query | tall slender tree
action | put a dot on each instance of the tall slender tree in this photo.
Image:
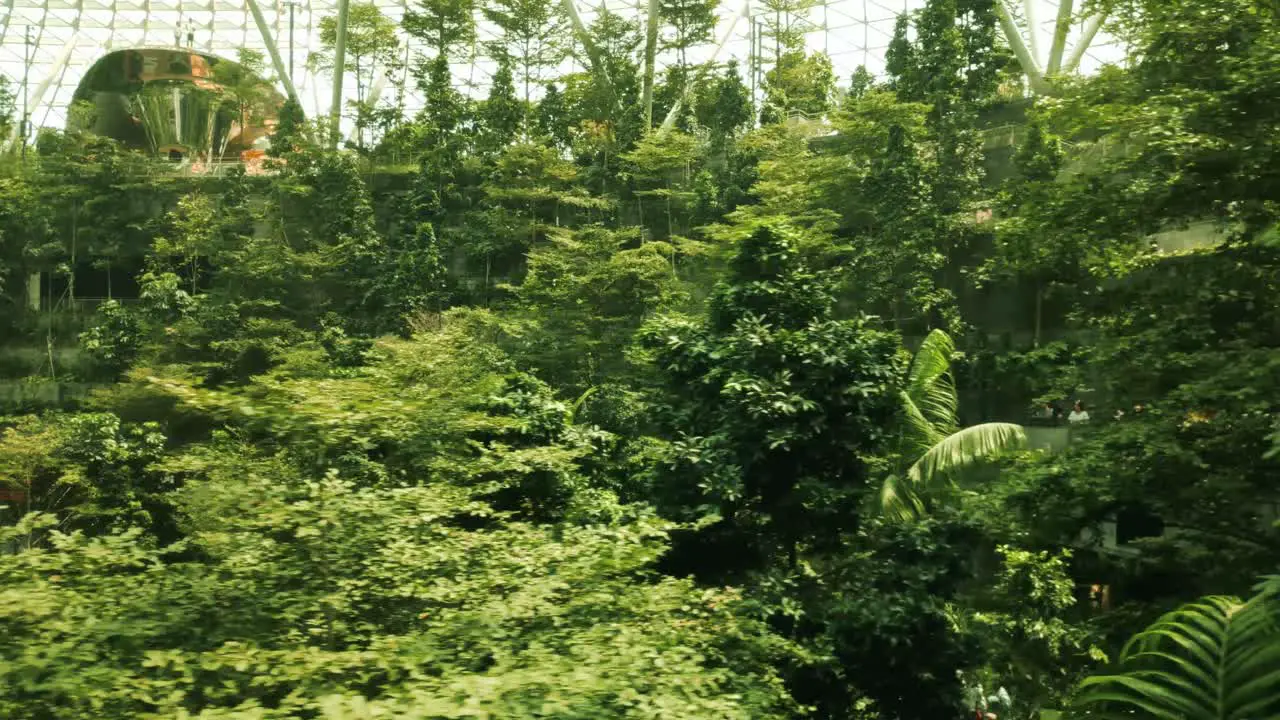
(689, 23)
(609, 102)
(860, 83)
(372, 47)
(723, 107)
(901, 65)
(553, 117)
(444, 143)
(7, 107)
(291, 130)
(442, 25)
(784, 23)
(799, 83)
(535, 35)
(501, 115)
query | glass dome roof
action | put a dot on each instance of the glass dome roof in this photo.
(53, 43)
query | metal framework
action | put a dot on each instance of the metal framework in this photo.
(1067, 29)
(68, 36)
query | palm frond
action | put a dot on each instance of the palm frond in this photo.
(1214, 659)
(930, 434)
(929, 381)
(918, 434)
(962, 449)
(898, 501)
(571, 414)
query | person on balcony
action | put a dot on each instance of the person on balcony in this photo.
(1078, 414)
(1046, 414)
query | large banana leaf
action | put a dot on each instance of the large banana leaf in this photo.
(1214, 659)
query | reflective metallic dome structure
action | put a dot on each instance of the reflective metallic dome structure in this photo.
(176, 103)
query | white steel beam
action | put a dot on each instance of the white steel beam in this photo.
(584, 36)
(1090, 31)
(4, 21)
(274, 51)
(1033, 30)
(375, 94)
(1060, 30)
(1035, 76)
(650, 56)
(339, 69)
(54, 74)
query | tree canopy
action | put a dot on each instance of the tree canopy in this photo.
(886, 397)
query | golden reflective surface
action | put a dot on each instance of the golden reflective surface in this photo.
(178, 103)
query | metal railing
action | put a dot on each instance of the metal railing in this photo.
(81, 305)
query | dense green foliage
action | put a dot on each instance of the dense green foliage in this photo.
(529, 406)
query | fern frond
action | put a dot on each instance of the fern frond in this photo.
(1215, 659)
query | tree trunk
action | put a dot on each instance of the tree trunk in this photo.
(359, 107)
(48, 343)
(777, 39)
(527, 62)
(71, 273)
(404, 80)
(670, 229)
(1035, 336)
(211, 124)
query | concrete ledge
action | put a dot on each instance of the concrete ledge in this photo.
(42, 394)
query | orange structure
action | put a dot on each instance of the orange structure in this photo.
(178, 103)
